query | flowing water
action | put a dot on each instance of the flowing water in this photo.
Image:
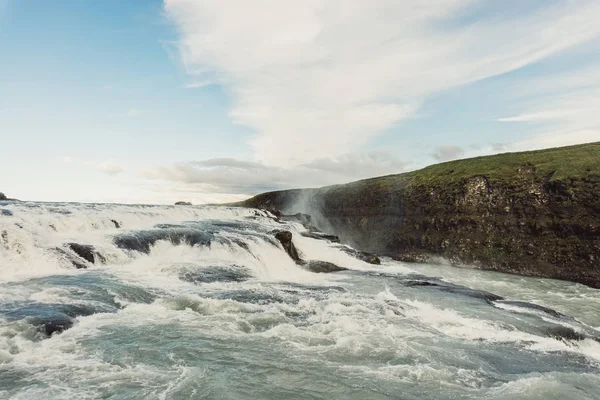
(203, 303)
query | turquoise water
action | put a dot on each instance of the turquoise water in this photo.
(213, 308)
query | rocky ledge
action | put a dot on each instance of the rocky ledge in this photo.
(4, 198)
(532, 213)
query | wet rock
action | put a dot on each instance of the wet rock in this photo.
(116, 223)
(362, 255)
(183, 203)
(369, 258)
(85, 251)
(285, 238)
(57, 324)
(323, 267)
(321, 236)
(565, 333)
(2, 196)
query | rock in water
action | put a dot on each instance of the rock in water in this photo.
(57, 324)
(85, 251)
(323, 267)
(285, 238)
(321, 236)
(2, 196)
(183, 203)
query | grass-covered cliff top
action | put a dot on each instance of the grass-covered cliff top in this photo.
(560, 163)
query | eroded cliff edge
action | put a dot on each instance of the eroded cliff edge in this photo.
(532, 213)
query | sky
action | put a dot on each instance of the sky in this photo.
(155, 101)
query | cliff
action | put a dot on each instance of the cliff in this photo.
(533, 213)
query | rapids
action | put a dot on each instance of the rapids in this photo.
(202, 303)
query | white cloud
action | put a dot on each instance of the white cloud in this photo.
(448, 152)
(109, 167)
(319, 78)
(228, 175)
(198, 84)
(134, 112)
(565, 105)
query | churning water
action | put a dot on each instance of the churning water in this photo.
(203, 303)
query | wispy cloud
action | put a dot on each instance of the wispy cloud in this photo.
(320, 78)
(448, 152)
(563, 105)
(109, 167)
(198, 84)
(134, 112)
(229, 175)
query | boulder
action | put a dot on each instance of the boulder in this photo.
(85, 251)
(57, 324)
(183, 203)
(369, 258)
(2, 196)
(285, 238)
(323, 267)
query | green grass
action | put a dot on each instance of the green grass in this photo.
(562, 163)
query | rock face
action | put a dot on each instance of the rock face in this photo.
(534, 213)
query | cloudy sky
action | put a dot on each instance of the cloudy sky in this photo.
(153, 101)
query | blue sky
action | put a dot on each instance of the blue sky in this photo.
(151, 101)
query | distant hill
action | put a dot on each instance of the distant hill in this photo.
(532, 213)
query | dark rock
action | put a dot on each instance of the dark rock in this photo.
(183, 203)
(57, 324)
(117, 224)
(565, 333)
(321, 236)
(6, 213)
(285, 238)
(322, 267)
(369, 258)
(4, 198)
(86, 252)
